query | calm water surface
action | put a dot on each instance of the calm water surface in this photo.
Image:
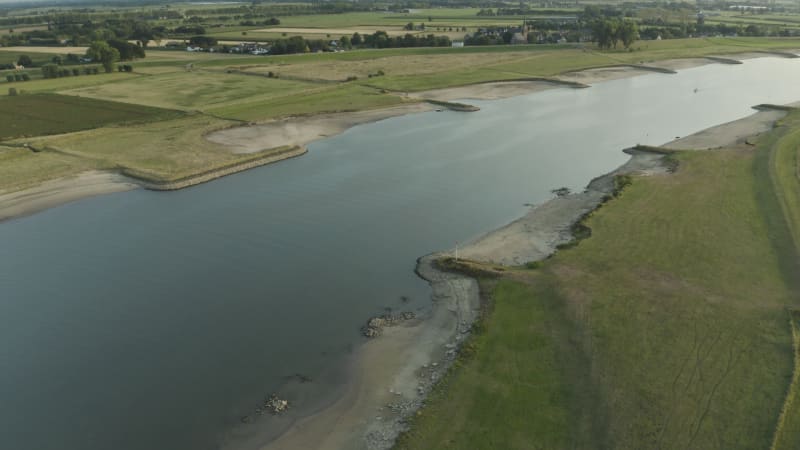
(146, 320)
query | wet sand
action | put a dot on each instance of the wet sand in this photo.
(60, 191)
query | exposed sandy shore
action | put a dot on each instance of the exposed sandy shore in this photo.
(60, 191)
(302, 131)
(728, 134)
(486, 91)
(536, 235)
(392, 373)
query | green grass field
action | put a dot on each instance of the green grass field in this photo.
(197, 90)
(667, 328)
(348, 97)
(167, 150)
(21, 168)
(36, 115)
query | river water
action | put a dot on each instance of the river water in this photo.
(147, 320)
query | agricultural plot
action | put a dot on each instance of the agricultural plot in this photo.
(37, 115)
(406, 65)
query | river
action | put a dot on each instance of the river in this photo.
(148, 320)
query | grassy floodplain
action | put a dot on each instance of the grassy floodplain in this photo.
(672, 326)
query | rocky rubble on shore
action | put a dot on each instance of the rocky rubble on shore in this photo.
(272, 405)
(376, 324)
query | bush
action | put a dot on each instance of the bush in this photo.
(561, 192)
(352, 78)
(50, 71)
(533, 265)
(12, 92)
(620, 183)
(76, 72)
(119, 69)
(17, 77)
(95, 71)
(10, 78)
(128, 68)
(26, 77)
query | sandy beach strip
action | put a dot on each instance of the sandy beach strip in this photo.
(60, 191)
(392, 374)
(301, 131)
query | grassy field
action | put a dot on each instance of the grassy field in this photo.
(21, 168)
(36, 115)
(197, 90)
(348, 97)
(314, 83)
(165, 150)
(667, 328)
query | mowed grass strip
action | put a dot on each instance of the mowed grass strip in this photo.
(676, 303)
(43, 114)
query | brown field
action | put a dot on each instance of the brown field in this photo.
(59, 50)
(331, 70)
(337, 32)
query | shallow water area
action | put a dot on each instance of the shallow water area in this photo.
(157, 320)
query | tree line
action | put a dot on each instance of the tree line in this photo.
(607, 32)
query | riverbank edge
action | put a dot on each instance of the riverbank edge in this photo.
(154, 183)
(457, 304)
(93, 183)
(32, 200)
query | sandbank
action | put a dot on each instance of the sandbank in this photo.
(392, 374)
(301, 131)
(60, 191)
(486, 91)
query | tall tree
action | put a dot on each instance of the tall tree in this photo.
(100, 51)
(25, 60)
(628, 32)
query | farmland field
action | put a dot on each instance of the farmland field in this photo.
(36, 115)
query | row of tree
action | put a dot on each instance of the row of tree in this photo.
(51, 70)
(607, 32)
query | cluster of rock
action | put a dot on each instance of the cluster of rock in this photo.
(272, 405)
(376, 324)
(275, 405)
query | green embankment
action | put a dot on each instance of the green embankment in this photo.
(667, 328)
(779, 158)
